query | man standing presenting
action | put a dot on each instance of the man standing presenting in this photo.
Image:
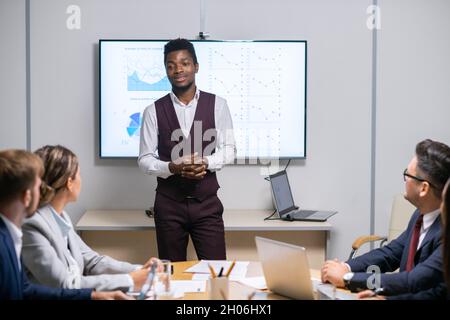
(185, 137)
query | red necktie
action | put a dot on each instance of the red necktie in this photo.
(414, 242)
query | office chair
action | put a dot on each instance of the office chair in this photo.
(401, 212)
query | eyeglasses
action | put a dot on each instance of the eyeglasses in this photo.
(406, 174)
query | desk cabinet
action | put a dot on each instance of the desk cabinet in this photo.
(130, 235)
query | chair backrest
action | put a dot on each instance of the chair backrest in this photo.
(401, 213)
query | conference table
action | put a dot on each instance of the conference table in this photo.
(237, 291)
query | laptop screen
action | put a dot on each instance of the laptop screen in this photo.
(281, 191)
(285, 268)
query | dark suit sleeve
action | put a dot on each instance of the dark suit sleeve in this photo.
(386, 258)
(437, 293)
(426, 274)
(423, 276)
(37, 292)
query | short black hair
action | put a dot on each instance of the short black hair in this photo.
(433, 160)
(179, 44)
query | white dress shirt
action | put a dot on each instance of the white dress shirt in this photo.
(16, 235)
(428, 220)
(225, 150)
(73, 269)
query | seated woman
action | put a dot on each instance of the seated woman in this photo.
(52, 252)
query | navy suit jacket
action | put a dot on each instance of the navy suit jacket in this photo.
(14, 284)
(427, 270)
(439, 292)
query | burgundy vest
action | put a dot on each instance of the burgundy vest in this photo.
(176, 187)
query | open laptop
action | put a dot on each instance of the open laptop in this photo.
(285, 268)
(287, 210)
(286, 271)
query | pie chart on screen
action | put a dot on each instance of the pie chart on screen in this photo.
(135, 124)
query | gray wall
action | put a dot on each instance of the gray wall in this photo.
(12, 74)
(413, 90)
(336, 174)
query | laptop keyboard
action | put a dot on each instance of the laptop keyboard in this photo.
(302, 213)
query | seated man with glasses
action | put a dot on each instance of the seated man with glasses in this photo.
(417, 252)
(406, 174)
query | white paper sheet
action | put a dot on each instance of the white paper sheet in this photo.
(255, 282)
(239, 270)
(188, 285)
(206, 276)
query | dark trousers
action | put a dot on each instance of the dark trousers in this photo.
(202, 220)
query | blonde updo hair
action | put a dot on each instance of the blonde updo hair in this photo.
(60, 164)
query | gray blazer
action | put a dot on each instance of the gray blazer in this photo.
(47, 260)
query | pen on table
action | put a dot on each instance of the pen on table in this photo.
(377, 292)
(213, 273)
(220, 272)
(231, 268)
(148, 283)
